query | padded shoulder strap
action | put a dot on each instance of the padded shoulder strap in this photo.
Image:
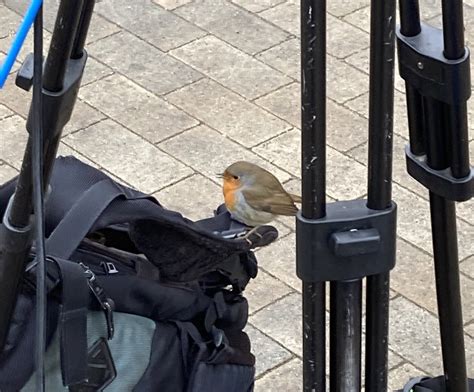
(73, 322)
(68, 234)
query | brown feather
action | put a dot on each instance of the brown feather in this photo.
(296, 198)
(278, 203)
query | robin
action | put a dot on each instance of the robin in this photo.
(254, 196)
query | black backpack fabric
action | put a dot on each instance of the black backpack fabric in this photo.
(159, 288)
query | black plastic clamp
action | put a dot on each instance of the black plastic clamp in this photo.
(58, 106)
(422, 64)
(352, 241)
(440, 182)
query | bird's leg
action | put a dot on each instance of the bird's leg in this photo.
(249, 233)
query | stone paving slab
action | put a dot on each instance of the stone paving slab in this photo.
(176, 90)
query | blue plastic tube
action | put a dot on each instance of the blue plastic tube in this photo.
(19, 40)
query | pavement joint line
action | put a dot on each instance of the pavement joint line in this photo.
(248, 99)
(146, 141)
(144, 40)
(279, 364)
(267, 94)
(274, 301)
(350, 13)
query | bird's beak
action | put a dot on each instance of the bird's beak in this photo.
(220, 175)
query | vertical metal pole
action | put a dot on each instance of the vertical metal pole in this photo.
(382, 47)
(313, 129)
(345, 336)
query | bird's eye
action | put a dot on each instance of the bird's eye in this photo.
(235, 177)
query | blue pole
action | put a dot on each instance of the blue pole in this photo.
(19, 40)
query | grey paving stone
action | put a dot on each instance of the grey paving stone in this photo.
(285, 57)
(233, 24)
(100, 28)
(264, 289)
(399, 170)
(128, 156)
(361, 60)
(414, 278)
(13, 137)
(360, 18)
(284, 151)
(469, 329)
(137, 109)
(344, 39)
(195, 197)
(50, 10)
(94, 71)
(9, 22)
(171, 4)
(268, 353)
(279, 259)
(227, 112)
(285, 16)
(139, 63)
(282, 322)
(356, 82)
(346, 129)
(414, 335)
(397, 378)
(5, 45)
(16, 65)
(6, 172)
(467, 266)
(232, 68)
(65, 150)
(416, 227)
(400, 122)
(342, 7)
(15, 98)
(287, 377)
(257, 6)
(4, 112)
(83, 116)
(285, 103)
(150, 22)
(209, 153)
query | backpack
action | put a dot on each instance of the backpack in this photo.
(139, 297)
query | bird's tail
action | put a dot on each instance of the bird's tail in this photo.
(296, 198)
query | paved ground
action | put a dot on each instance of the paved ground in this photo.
(177, 89)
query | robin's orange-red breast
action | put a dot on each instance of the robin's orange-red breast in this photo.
(254, 196)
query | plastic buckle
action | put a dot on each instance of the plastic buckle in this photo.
(106, 304)
(352, 241)
(109, 267)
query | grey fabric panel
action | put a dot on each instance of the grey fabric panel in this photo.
(130, 349)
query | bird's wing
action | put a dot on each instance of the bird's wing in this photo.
(296, 198)
(279, 203)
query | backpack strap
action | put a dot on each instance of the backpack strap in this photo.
(76, 224)
(73, 322)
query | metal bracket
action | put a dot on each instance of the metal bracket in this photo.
(422, 64)
(440, 182)
(58, 105)
(350, 242)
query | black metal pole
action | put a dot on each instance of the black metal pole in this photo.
(313, 129)
(15, 232)
(383, 13)
(345, 336)
(440, 131)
